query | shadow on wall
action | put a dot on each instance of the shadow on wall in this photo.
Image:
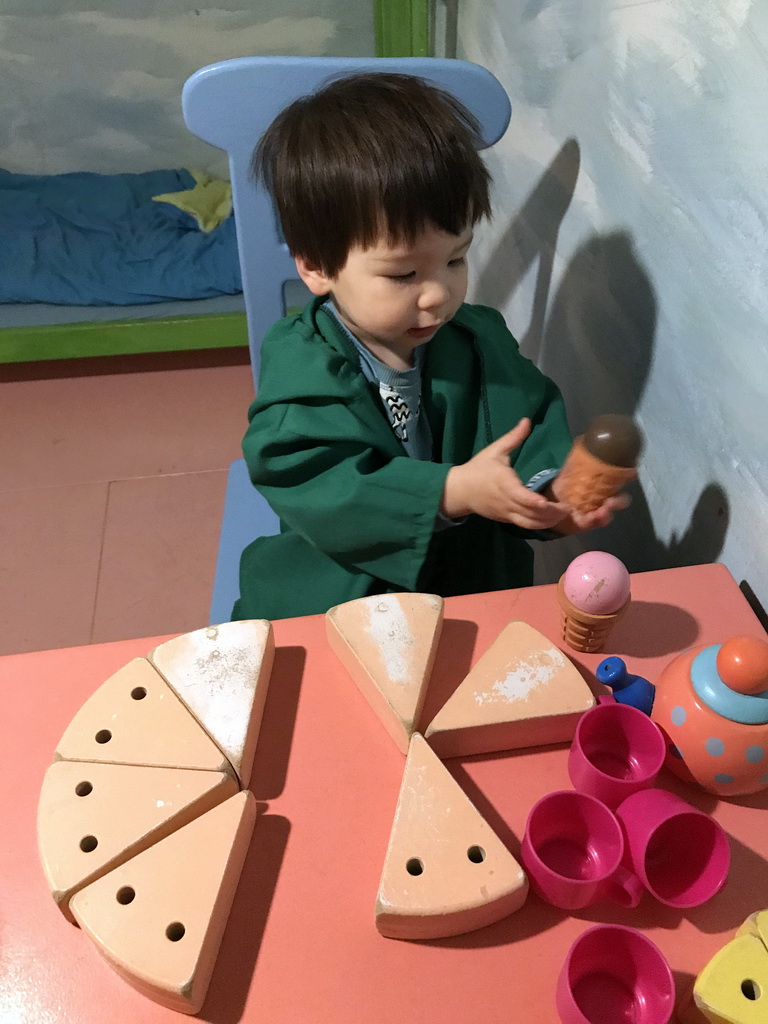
(595, 339)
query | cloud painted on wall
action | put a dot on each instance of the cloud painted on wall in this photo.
(92, 90)
(212, 35)
(167, 8)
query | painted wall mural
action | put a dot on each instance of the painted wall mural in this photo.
(629, 250)
(99, 89)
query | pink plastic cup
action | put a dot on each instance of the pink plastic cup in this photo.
(680, 853)
(572, 851)
(616, 751)
(615, 975)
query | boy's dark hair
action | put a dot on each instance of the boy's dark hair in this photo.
(371, 156)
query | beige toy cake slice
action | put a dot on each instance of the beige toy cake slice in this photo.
(446, 871)
(92, 817)
(388, 643)
(523, 692)
(159, 918)
(221, 673)
(136, 718)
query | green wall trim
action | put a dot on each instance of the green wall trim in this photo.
(402, 28)
(122, 337)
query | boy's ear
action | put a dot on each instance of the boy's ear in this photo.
(317, 282)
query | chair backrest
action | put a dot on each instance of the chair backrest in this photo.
(231, 104)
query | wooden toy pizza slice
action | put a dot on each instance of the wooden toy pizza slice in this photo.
(732, 987)
(756, 924)
(159, 918)
(523, 692)
(92, 817)
(136, 718)
(221, 673)
(446, 871)
(388, 644)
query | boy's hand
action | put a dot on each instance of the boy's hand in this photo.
(488, 486)
(580, 522)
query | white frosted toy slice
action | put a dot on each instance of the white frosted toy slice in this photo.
(523, 692)
(388, 643)
(446, 871)
(159, 918)
(221, 673)
(136, 718)
(92, 817)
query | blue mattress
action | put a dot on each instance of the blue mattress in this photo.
(40, 314)
(99, 240)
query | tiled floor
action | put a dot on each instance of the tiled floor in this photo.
(112, 481)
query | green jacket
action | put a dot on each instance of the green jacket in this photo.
(357, 514)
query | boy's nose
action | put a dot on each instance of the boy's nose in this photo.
(433, 296)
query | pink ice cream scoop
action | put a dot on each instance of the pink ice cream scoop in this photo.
(596, 582)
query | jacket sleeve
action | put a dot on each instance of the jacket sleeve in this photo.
(517, 388)
(549, 442)
(320, 468)
(546, 447)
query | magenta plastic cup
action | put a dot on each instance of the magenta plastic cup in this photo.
(680, 853)
(615, 975)
(572, 851)
(616, 751)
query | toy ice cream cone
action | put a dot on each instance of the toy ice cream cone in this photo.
(601, 462)
(585, 631)
(594, 593)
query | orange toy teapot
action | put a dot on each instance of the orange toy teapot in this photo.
(712, 704)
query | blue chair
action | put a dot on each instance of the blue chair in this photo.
(230, 104)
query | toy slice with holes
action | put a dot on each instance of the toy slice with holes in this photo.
(733, 987)
(756, 924)
(221, 674)
(92, 817)
(446, 871)
(159, 918)
(136, 718)
(388, 643)
(523, 692)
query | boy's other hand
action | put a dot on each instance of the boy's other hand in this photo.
(488, 486)
(581, 522)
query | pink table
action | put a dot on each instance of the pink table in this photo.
(301, 946)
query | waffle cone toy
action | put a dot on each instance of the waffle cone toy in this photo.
(601, 462)
(585, 631)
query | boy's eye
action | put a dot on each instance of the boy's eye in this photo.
(459, 262)
(402, 277)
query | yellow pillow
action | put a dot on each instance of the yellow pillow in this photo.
(209, 202)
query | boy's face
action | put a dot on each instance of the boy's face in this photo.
(393, 298)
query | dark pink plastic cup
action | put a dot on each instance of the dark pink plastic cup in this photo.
(615, 975)
(681, 854)
(616, 751)
(572, 851)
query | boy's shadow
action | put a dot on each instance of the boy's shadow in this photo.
(595, 340)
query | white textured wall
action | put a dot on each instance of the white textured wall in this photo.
(97, 86)
(628, 250)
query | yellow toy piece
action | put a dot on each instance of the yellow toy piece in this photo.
(757, 925)
(733, 987)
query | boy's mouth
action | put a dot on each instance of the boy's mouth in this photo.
(422, 332)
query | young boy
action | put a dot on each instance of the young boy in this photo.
(399, 434)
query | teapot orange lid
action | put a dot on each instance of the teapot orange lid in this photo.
(742, 663)
(732, 679)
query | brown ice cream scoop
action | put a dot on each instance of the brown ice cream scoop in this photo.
(600, 463)
(614, 439)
